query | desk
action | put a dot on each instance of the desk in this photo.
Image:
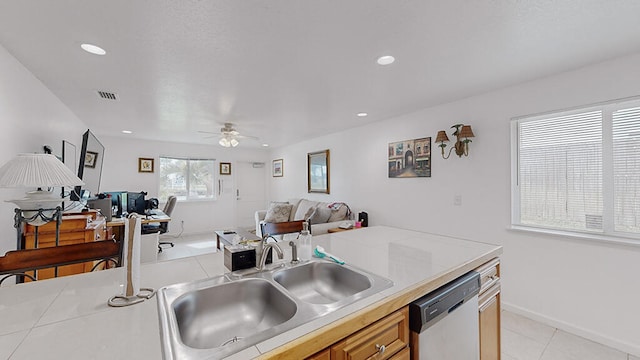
(117, 224)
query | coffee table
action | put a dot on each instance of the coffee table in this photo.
(226, 236)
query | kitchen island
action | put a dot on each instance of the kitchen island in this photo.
(68, 318)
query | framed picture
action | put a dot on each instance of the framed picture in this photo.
(277, 168)
(90, 159)
(225, 168)
(318, 172)
(410, 158)
(145, 165)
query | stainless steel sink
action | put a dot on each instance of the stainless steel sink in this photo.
(214, 318)
(322, 282)
(218, 315)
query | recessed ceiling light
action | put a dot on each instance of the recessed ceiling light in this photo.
(265, 145)
(361, 114)
(386, 60)
(93, 49)
(127, 132)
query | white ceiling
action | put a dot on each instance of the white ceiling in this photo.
(286, 70)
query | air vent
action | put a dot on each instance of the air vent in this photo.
(593, 222)
(107, 95)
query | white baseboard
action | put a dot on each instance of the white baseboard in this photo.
(626, 347)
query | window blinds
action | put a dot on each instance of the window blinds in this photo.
(626, 169)
(560, 171)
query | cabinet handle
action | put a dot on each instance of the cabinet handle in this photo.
(380, 348)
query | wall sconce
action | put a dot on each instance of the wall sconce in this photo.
(462, 134)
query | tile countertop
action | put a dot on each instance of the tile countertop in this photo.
(68, 317)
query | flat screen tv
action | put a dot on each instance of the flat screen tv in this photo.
(89, 165)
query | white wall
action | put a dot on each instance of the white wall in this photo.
(120, 172)
(587, 287)
(30, 116)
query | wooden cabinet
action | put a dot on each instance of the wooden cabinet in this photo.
(388, 338)
(322, 355)
(74, 229)
(489, 310)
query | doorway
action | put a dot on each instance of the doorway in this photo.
(250, 192)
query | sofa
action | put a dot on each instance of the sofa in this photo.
(321, 215)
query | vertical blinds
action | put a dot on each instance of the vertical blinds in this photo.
(560, 171)
(626, 169)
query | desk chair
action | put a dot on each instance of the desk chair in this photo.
(21, 262)
(162, 227)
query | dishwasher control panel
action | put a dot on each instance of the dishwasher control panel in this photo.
(428, 309)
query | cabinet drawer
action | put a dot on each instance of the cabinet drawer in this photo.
(380, 340)
(489, 274)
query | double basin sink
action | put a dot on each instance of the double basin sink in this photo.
(216, 317)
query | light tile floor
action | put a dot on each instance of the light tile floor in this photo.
(526, 339)
(522, 338)
(186, 246)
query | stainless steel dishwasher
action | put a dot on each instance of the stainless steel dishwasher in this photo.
(444, 323)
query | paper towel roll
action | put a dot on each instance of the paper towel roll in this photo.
(131, 255)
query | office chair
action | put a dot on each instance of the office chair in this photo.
(162, 227)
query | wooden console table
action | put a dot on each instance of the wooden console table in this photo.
(76, 228)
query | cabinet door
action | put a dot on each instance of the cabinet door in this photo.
(321, 355)
(380, 340)
(404, 354)
(490, 324)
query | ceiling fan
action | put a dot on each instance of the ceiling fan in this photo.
(228, 135)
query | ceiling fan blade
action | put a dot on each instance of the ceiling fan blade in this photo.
(209, 132)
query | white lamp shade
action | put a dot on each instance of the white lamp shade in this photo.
(37, 170)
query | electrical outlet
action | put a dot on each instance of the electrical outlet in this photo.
(457, 200)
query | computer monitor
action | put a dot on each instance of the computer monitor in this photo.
(136, 203)
(119, 201)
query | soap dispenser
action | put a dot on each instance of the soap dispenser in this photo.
(304, 243)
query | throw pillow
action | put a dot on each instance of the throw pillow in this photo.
(278, 212)
(309, 213)
(303, 207)
(339, 214)
(320, 215)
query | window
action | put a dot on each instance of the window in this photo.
(187, 179)
(579, 170)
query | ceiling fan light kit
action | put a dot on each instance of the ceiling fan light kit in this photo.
(229, 137)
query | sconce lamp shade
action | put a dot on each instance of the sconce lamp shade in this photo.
(442, 136)
(36, 170)
(465, 132)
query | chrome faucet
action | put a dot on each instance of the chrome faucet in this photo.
(265, 251)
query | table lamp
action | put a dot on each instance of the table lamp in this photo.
(41, 171)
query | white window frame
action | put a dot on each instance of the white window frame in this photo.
(190, 199)
(608, 234)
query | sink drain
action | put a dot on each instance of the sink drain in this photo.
(232, 340)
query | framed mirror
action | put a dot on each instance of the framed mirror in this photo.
(318, 172)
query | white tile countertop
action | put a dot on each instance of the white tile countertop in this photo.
(68, 317)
